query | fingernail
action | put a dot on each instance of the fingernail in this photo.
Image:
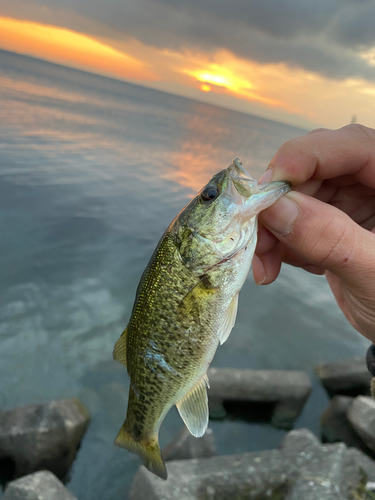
(267, 176)
(259, 272)
(282, 215)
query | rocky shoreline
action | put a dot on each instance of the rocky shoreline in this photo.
(38, 443)
(301, 468)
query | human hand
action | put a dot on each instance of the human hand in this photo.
(326, 225)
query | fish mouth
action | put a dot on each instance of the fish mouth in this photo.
(275, 187)
(245, 191)
(242, 181)
(267, 193)
(237, 172)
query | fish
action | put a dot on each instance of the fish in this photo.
(186, 305)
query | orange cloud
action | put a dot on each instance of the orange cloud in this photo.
(66, 46)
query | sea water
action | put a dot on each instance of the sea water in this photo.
(92, 171)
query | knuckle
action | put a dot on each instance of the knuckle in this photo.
(292, 154)
(320, 129)
(363, 132)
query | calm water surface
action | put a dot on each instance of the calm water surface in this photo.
(92, 170)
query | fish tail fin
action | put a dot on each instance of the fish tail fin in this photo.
(147, 449)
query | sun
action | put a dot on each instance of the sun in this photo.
(205, 87)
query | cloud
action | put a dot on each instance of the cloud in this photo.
(323, 36)
(354, 26)
(66, 46)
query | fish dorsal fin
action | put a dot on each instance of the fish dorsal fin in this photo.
(229, 320)
(193, 408)
(119, 352)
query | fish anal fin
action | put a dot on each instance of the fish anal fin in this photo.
(229, 320)
(119, 352)
(148, 450)
(193, 408)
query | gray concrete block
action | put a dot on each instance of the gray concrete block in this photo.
(284, 392)
(349, 377)
(44, 436)
(336, 426)
(42, 485)
(301, 468)
(361, 415)
(299, 440)
(184, 446)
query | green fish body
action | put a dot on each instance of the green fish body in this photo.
(186, 305)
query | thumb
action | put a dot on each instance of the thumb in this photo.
(325, 236)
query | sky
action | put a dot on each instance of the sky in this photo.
(303, 62)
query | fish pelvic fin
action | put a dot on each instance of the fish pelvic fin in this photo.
(119, 352)
(148, 450)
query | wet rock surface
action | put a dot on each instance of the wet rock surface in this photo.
(42, 485)
(275, 396)
(301, 468)
(349, 377)
(336, 426)
(361, 415)
(185, 446)
(38, 437)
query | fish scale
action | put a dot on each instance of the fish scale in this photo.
(149, 316)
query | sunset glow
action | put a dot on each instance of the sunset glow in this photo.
(228, 76)
(220, 80)
(222, 77)
(66, 46)
(273, 90)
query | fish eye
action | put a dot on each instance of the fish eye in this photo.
(209, 193)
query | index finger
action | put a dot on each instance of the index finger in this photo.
(327, 154)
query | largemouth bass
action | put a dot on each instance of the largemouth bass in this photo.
(186, 305)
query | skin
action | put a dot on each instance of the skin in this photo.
(327, 224)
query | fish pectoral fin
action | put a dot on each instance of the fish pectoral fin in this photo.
(229, 320)
(193, 408)
(119, 352)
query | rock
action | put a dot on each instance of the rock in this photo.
(41, 485)
(361, 415)
(299, 440)
(349, 377)
(301, 468)
(184, 446)
(277, 396)
(336, 426)
(43, 436)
